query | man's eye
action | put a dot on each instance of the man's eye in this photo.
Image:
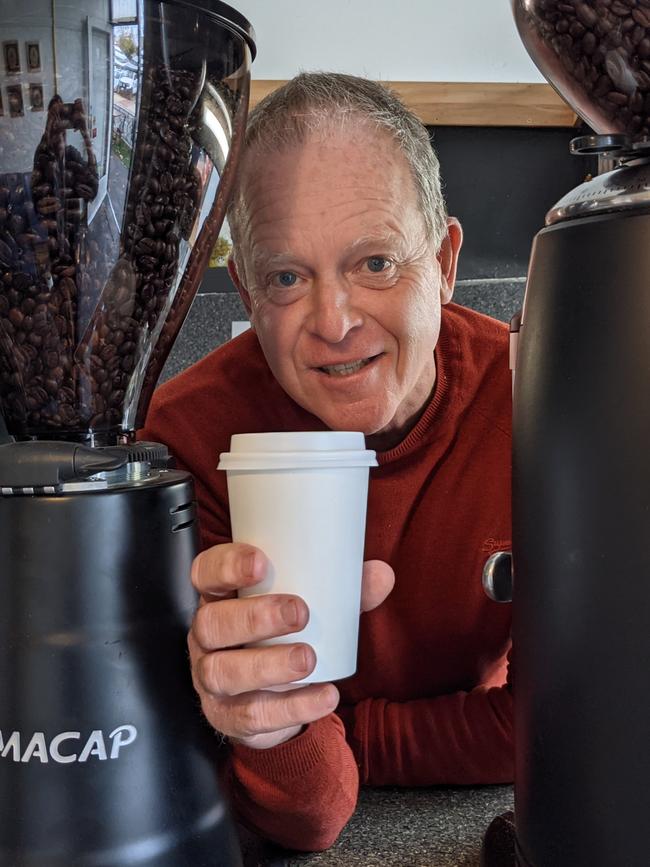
(285, 279)
(377, 264)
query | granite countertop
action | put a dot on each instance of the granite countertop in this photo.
(434, 827)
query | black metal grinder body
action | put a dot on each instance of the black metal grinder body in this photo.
(111, 202)
(104, 756)
(581, 531)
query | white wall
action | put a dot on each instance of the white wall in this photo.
(411, 40)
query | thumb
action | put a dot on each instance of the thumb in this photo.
(377, 581)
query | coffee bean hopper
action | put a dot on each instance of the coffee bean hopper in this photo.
(581, 470)
(120, 126)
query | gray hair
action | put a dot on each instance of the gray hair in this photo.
(287, 116)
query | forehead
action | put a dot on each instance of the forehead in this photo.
(348, 170)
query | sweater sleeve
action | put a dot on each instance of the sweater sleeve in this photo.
(464, 738)
(301, 793)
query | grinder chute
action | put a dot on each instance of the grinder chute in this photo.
(119, 137)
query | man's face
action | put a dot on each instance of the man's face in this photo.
(343, 286)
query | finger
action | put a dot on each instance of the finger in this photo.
(194, 648)
(230, 622)
(255, 713)
(377, 582)
(195, 655)
(221, 569)
(232, 672)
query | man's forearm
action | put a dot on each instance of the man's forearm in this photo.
(460, 739)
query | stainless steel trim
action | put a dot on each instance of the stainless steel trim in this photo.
(624, 189)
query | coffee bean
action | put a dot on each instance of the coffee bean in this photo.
(16, 317)
(586, 15)
(589, 43)
(69, 416)
(52, 359)
(49, 205)
(619, 8)
(617, 98)
(146, 247)
(107, 351)
(641, 17)
(85, 191)
(147, 263)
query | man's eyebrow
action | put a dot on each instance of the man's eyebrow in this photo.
(379, 241)
(264, 259)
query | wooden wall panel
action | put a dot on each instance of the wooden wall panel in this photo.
(472, 104)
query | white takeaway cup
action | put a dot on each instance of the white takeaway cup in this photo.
(301, 498)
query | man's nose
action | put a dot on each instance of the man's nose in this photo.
(334, 311)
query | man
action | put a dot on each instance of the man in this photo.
(344, 257)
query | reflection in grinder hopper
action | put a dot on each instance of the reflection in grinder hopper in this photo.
(70, 323)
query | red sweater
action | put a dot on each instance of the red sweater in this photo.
(429, 703)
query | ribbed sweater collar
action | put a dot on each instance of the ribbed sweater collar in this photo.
(431, 424)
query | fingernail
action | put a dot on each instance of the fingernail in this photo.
(255, 565)
(298, 659)
(289, 611)
(328, 696)
(194, 572)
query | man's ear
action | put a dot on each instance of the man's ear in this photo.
(243, 292)
(448, 258)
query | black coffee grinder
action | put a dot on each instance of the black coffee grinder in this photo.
(118, 141)
(581, 472)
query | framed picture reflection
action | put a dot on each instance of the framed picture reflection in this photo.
(33, 54)
(11, 56)
(36, 97)
(15, 100)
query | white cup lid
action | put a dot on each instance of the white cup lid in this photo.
(297, 449)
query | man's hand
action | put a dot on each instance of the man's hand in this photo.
(234, 682)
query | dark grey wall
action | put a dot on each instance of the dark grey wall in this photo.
(499, 182)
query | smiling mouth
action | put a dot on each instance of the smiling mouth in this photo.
(348, 368)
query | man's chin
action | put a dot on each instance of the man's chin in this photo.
(369, 417)
(368, 425)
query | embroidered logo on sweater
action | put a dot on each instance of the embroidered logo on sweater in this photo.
(491, 546)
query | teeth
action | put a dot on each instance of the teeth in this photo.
(345, 369)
